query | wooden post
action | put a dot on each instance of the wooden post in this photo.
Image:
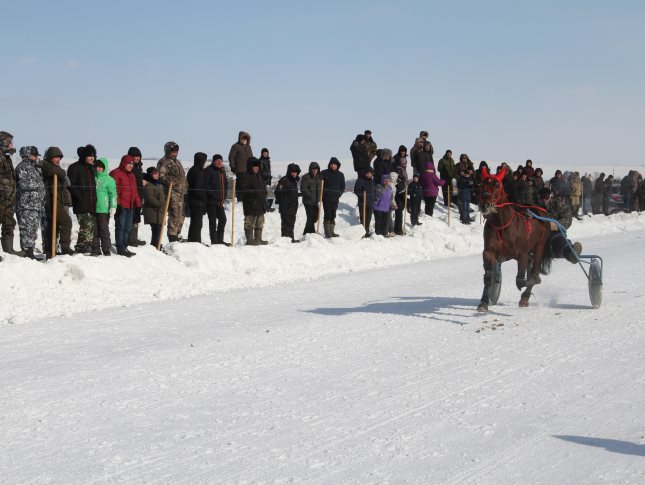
(165, 215)
(405, 207)
(322, 187)
(233, 214)
(365, 211)
(449, 204)
(54, 214)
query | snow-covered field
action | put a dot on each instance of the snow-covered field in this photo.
(337, 374)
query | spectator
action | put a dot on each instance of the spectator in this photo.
(196, 197)
(641, 193)
(538, 181)
(477, 180)
(172, 172)
(587, 193)
(606, 195)
(216, 187)
(364, 190)
(529, 169)
(334, 188)
(399, 168)
(252, 191)
(265, 172)
(627, 188)
(383, 164)
(310, 189)
(286, 194)
(127, 201)
(106, 204)
(82, 178)
(448, 173)
(465, 172)
(598, 195)
(133, 238)
(415, 192)
(417, 148)
(430, 184)
(30, 196)
(370, 145)
(360, 157)
(241, 152)
(559, 186)
(154, 201)
(50, 167)
(382, 206)
(576, 194)
(7, 192)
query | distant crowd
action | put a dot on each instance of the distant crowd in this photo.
(388, 186)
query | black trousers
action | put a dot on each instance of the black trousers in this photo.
(368, 218)
(196, 223)
(156, 234)
(415, 210)
(430, 202)
(312, 218)
(216, 223)
(288, 222)
(380, 222)
(330, 209)
(101, 233)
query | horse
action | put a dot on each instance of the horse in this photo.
(510, 233)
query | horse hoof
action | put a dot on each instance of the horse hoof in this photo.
(520, 283)
(483, 307)
(524, 302)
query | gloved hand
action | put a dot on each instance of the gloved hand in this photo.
(554, 227)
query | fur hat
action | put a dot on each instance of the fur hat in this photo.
(169, 147)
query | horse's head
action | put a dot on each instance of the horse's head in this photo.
(492, 191)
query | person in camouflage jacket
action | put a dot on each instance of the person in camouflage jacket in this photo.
(51, 166)
(7, 191)
(370, 145)
(171, 171)
(558, 246)
(30, 198)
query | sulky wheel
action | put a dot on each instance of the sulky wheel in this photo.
(595, 283)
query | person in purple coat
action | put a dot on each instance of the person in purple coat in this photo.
(382, 205)
(430, 183)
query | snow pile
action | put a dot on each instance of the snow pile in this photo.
(72, 284)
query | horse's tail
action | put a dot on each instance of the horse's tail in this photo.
(547, 259)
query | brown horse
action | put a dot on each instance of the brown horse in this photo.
(509, 233)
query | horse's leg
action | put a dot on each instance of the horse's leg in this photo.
(526, 294)
(522, 264)
(489, 259)
(534, 277)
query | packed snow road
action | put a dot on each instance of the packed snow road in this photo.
(382, 376)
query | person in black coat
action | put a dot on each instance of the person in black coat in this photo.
(598, 191)
(196, 197)
(82, 187)
(216, 188)
(360, 156)
(286, 196)
(382, 163)
(364, 190)
(333, 189)
(415, 192)
(252, 191)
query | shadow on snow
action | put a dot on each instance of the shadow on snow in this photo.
(615, 446)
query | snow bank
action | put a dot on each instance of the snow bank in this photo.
(71, 284)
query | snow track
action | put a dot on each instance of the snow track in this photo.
(383, 376)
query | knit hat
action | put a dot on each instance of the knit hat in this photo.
(360, 138)
(134, 152)
(53, 152)
(254, 162)
(368, 132)
(217, 156)
(151, 170)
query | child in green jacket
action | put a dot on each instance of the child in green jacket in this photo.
(106, 201)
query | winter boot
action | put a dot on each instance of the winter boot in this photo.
(133, 237)
(332, 225)
(327, 226)
(7, 247)
(67, 250)
(572, 255)
(29, 253)
(258, 238)
(250, 240)
(172, 238)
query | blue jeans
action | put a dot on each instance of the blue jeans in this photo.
(464, 210)
(123, 224)
(627, 201)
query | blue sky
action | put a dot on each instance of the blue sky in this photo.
(557, 82)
